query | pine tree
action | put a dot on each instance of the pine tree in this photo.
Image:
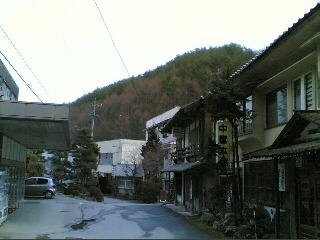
(153, 155)
(35, 164)
(61, 166)
(223, 103)
(85, 152)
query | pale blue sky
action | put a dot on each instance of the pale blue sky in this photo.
(68, 48)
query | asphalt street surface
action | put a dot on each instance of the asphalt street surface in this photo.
(68, 218)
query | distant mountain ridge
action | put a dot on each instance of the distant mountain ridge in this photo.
(127, 104)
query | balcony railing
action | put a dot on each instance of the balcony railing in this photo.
(192, 151)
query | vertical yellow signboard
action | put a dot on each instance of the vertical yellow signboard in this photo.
(223, 137)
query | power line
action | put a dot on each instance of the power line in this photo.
(20, 76)
(114, 44)
(112, 38)
(25, 61)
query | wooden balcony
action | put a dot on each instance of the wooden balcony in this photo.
(191, 152)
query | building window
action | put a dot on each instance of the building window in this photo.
(308, 84)
(245, 122)
(194, 136)
(258, 181)
(277, 107)
(297, 94)
(106, 159)
(125, 183)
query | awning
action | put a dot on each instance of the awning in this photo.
(290, 142)
(285, 152)
(36, 125)
(182, 167)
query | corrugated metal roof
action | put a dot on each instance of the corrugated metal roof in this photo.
(36, 126)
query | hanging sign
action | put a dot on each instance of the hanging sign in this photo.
(223, 137)
(282, 177)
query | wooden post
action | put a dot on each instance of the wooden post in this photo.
(239, 181)
(296, 201)
(235, 194)
(183, 193)
(277, 196)
(192, 194)
(175, 189)
(169, 189)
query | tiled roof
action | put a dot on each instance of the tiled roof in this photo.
(182, 167)
(276, 41)
(285, 144)
(292, 150)
(311, 116)
(189, 111)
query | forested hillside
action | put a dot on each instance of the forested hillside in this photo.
(127, 105)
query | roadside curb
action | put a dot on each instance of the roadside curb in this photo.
(178, 211)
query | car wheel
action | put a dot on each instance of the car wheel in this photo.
(48, 194)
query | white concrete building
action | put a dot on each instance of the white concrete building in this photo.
(113, 152)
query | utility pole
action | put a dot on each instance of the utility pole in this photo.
(93, 114)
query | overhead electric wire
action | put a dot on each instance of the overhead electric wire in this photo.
(114, 44)
(20, 76)
(24, 61)
(104, 22)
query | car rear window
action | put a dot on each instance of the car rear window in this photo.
(42, 181)
(31, 181)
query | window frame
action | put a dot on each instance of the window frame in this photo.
(274, 94)
(297, 100)
(308, 77)
(125, 183)
(106, 159)
(258, 183)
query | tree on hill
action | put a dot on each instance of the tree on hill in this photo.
(128, 104)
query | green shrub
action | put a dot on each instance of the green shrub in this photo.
(147, 191)
(60, 186)
(217, 197)
(96, 193)
(35, 169)
(92, 182)
(114, 189)
(75, 189)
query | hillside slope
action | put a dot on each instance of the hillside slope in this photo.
(126, 105)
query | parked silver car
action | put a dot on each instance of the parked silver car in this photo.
(40, 186)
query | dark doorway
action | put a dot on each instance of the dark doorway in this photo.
(105, 184)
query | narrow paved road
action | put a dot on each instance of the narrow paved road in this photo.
(64, 217)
